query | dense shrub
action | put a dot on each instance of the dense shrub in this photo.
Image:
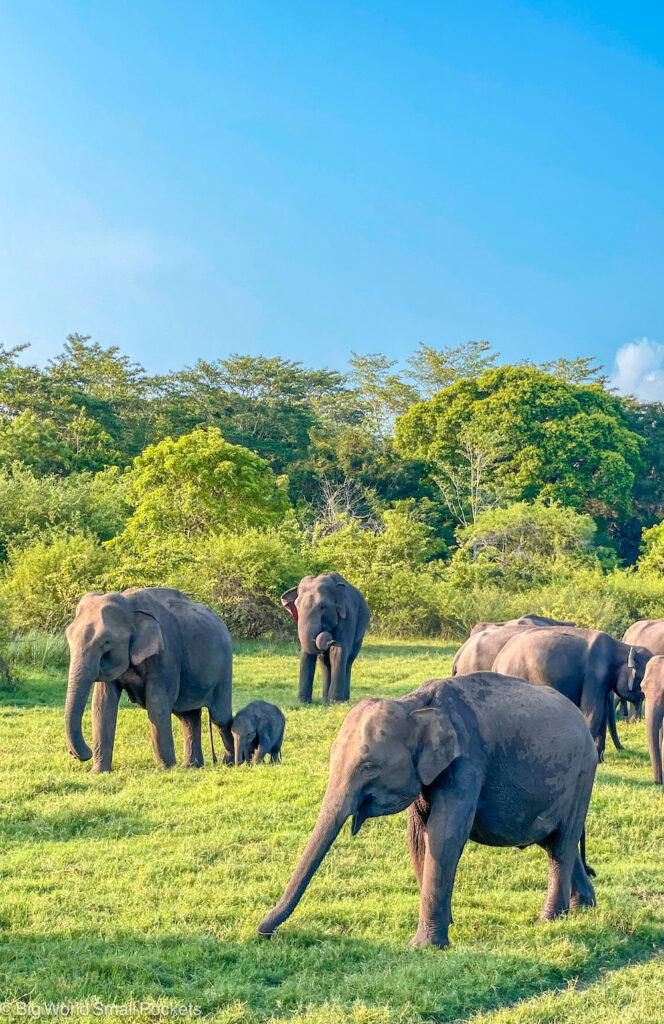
(44, 581)
(652, 559)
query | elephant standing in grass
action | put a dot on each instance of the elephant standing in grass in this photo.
(476, 757)
(332, 618)
(170, 655)
(585, 665)
(258, 730)
(653, 688)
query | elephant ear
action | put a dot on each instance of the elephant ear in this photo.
(342, 600)
(436, 745)
(288, 601)
(146, 638)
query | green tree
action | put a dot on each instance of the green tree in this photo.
(536, 436)
(200, 483)
(434, 369)
(526, 543)
(379, 395)
(652, 557)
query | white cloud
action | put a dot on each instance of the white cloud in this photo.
(639, 370)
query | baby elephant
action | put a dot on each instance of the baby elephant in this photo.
(258, 730)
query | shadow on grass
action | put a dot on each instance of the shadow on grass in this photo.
(301, 969)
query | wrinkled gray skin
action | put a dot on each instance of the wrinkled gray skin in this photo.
(487, 640)
(258, 730)
(169, 654)
(653, 689)
(332, 618)
(648, 633)
(585, 665)
(531, 619)
(469, 761)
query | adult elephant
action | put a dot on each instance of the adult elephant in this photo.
(332, 618)
(169, 654)
(530, 619)
(647, 633)
(585, 665)
(487, 640)
(474, 757)
(653, 688)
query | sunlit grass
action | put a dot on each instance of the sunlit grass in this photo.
(150, 885)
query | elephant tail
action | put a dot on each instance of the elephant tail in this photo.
(582, 849)
(214, 756)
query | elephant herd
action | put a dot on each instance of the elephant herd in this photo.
(484, 755)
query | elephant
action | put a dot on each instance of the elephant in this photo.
(484, 644)
(169, 654)
(332, 618)
(258, 730)
(648, 633)
(585, 665)
(476, 757)
(653, 688)
(530, 619)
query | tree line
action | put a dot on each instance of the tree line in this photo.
(451, 469)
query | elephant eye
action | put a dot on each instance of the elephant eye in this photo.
(368, 766)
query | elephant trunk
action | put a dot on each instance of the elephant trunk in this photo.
(239, 749)
(323, 641)
(654, 717)
(82, 675)
(331, 817)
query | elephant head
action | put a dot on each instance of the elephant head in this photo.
(107, 636)
(653, 688)
(631, 673)
(245, 731)
(317, 604)
(379, 762)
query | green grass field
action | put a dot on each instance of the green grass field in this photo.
(149, 885)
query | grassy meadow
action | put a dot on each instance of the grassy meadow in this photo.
(148, 885)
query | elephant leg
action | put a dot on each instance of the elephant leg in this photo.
(307, 670)
(349, 665)
(338, 660)
(191, 727)
(221, 716)
(562, 860)
(583, 894)
(417, 816)
(261, 751)
(158, 708)
(105, 700)
(325, 675)
(450, 820)
(275, 753)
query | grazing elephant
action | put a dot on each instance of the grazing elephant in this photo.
(487, 640)
(474, 757)
(332, 618)
(170, 655)
(258, 730)
(653, 688)
(531, 619)
(585, 665)
(648, 633)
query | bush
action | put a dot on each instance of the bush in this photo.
(44, 581)
(652, 558)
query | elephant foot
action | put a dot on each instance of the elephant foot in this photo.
(423, 939)
(100, 769)
(577, 900)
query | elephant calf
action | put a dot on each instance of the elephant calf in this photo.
(653, 688)
(258, 730)
(480, 757)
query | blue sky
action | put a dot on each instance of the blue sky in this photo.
(305, 179)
